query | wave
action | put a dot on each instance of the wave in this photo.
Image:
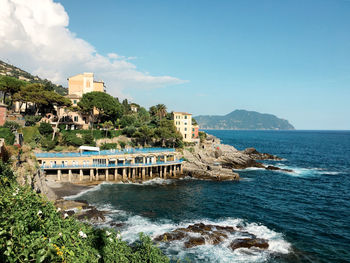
(207, 253)
(305, 172)
(91, 189)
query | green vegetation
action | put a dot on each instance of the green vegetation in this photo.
(202, 136)
(242, 119)
(12, 125)
(108, 146)
(7, 134)
(17, 72)
(31, 229)
(107, 117)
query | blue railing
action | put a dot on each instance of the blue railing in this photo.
(78, 166)
(104, 152)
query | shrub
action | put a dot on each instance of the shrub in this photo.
(72, 140)
(12, 125)
(33, 231)
(108, 146)
(122, 144)
(31, 134)
(88, 139)
(7, 135)
(47, 144)
(202, 136)
(45, 129)
(129, 131)
(31, 120)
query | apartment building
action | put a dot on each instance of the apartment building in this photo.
(183, 123)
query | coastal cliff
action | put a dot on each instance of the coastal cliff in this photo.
(216, 161)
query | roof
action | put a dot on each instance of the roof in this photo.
(183, 113)
(89, 148)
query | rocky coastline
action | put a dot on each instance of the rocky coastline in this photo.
(216, 161)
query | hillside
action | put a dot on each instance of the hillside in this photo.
(243, 120)
(10, 70)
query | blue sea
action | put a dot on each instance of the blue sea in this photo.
(305, 215)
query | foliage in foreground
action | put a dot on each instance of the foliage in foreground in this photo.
(31, 229)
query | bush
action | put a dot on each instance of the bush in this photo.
(12, 125)
(7, 135)
(108, 146)
(88, 139)
(202, 136)
(122, 144)
(129, 131)
(47, 144)
(33, 231)
(31, 120)
(45, 129)
(31, 134)
(72, 140)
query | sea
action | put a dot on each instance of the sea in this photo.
(304, 215)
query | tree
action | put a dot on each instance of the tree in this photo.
(107, 125)
(10, 86)
(144, 135)
(42, 99)
(99, 106)
(161, 110)
(143, 115)
(12, 125)
(45, 128)
(167, 134)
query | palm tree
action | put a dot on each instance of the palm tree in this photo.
(161, 110)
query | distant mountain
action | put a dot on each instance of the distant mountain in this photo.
(243, 120)
(12, 71)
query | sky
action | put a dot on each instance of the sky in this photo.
(289, 58)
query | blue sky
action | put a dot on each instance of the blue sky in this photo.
(290, 58)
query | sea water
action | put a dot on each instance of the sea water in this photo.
(304, 215)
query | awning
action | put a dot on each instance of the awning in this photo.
(89, 148)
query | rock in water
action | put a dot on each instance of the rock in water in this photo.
(249, 242)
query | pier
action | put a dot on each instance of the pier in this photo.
(111, 165)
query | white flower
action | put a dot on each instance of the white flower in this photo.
(108, 233)
(110, 239)
(39, 212)
(82, 234)
(60, 234)
(58, 209)
(65, 215)
(119, 236)
(14, 194)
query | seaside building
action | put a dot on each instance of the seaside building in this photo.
(118, 165)
(195, 131)
(3, 113)
(183, 124)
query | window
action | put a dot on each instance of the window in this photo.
(185, 129)
(185, 136)
(185, 116)
(193, 129)
(75, 101)
(76, 118)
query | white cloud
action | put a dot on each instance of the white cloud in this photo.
(34, 35)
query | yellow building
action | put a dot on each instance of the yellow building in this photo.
(183, 124)
(84, 83)
(77, 86)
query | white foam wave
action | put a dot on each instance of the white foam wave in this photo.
(207, 252)
(305, 172)
(91, 189)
